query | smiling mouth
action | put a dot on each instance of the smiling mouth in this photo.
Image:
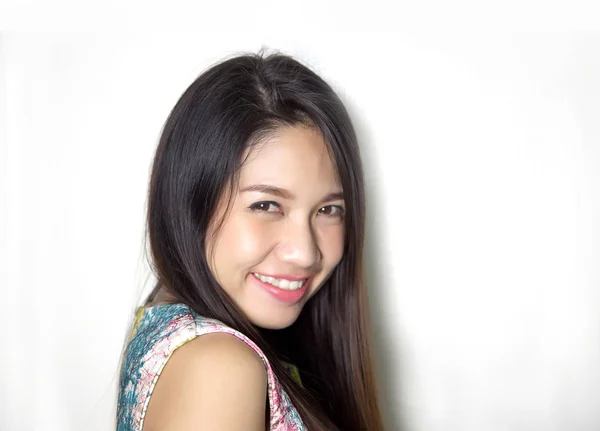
(281, 283)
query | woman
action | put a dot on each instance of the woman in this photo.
(256, 223)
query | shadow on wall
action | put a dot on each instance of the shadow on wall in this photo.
(388, 366)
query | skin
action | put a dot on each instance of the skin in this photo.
(213, 382)
(297, 235)
(217, 382)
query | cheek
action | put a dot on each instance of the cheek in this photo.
(244, 241)
(332, 243)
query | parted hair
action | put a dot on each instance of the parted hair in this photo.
(228, 108)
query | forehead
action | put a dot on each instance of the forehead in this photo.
(294, 157)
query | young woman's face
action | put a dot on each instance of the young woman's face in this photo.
(284, 234)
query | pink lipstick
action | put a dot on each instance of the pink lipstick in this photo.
(287, 296)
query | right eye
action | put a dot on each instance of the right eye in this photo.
(267, 206)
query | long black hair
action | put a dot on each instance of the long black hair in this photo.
(228, 108)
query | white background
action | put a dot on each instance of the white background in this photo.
(482, 159)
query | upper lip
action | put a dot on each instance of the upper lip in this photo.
(285, 277)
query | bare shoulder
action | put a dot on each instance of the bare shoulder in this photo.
(213, 382)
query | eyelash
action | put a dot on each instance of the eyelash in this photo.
(255, 207)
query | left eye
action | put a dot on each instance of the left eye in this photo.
(332, 210)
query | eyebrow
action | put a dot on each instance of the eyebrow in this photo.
(286, 194)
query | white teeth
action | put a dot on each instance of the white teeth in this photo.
(281, 283)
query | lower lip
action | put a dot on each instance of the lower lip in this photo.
(287, 296)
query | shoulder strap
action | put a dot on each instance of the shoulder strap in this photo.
(158, 332)
(283, 415)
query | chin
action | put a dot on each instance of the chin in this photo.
(269, 322)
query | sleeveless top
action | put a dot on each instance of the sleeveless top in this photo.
(157, 332)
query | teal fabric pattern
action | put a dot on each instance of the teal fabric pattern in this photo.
(157, 332)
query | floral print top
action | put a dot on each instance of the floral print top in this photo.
(157, 332)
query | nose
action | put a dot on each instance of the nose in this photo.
(298, 245)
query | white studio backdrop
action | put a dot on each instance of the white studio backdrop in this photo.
(482, 160)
